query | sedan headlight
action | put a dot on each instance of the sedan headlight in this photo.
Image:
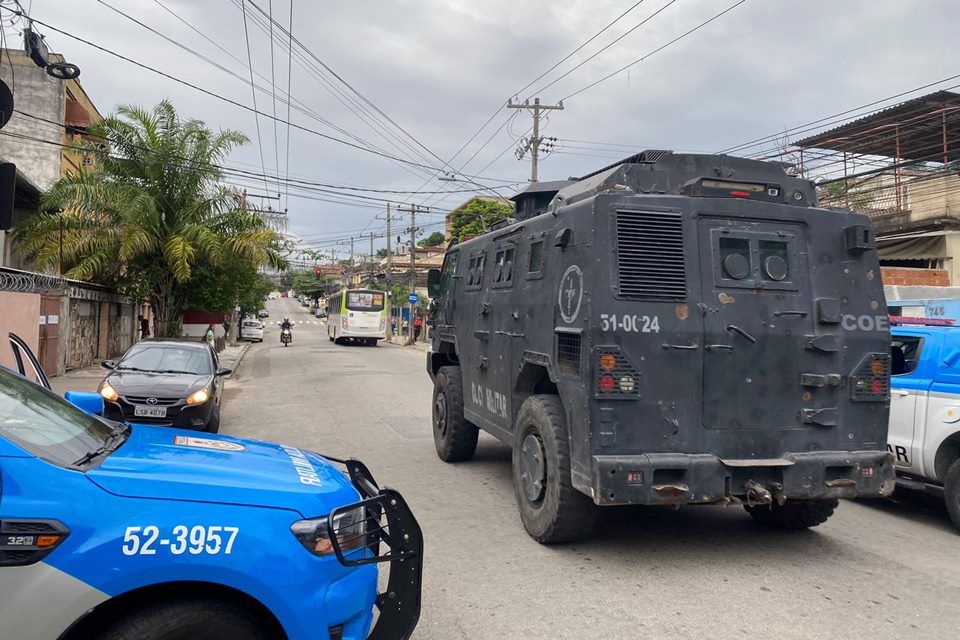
(108, 392)
(349, 527)
(199, 397)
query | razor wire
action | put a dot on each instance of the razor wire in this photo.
(25, 282)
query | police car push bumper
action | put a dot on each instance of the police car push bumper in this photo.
(670, 478)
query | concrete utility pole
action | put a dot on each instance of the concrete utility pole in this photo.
(389, 279)
(533, 143)
(413, 265)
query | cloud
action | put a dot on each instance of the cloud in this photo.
(440, 68)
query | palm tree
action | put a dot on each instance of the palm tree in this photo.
(149, 211)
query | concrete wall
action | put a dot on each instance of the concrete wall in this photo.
(38, 94)
(21, 315)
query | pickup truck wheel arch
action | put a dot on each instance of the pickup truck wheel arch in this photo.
(100, 618)
(947, 453)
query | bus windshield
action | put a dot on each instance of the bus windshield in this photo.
(365, 300)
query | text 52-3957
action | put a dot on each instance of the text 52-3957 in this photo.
(195, 540)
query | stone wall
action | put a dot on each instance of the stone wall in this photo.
(84, 332)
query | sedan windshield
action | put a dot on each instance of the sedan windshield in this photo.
(169, 358)
(45, 424)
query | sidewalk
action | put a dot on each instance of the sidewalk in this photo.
(88, 378)
(421, 346)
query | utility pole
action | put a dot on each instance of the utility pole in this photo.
(389, 279)
(533, 143)
(413, 265)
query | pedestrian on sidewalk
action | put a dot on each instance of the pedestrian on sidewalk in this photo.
(144, 327)
(210, 336)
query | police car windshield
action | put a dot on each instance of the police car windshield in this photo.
(365, 300)
(45, 424)
(167, 358)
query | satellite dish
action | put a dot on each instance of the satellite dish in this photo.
(6, 103)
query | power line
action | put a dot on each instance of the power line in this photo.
(575, 51)
(320, 187)
(253, 90)
(289, 84)
(657, 50)
(273, 86)
(223, 98)
(634, 28)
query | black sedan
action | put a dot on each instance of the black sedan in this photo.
(168, 383)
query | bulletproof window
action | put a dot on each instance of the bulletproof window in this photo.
(448, 270)
(535, 265)
(475, 270)
(905, 354)
(754, 258)
(503, 266)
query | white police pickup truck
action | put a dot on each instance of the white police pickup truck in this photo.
(924, 431)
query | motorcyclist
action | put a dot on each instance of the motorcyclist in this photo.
(286, 325)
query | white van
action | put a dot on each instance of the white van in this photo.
(251, 330)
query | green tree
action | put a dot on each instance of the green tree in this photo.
(149, 211)
(435, 239)
(466, 222)
(312, 286)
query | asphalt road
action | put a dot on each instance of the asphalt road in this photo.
(877, 569)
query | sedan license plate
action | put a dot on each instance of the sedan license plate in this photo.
(149, 412)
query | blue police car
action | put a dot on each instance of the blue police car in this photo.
(924, 434)
(112, 531)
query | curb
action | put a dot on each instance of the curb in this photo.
(425, 348)
(236, 365)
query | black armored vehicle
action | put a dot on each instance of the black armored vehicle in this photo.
(672, 329)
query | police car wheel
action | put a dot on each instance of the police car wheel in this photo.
(951, 492)
(187, 620)
(453, 435)
(797, 514)
(551, 509)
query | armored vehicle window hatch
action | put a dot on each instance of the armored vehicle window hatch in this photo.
(503, 263)
(475, 268)
(535, 263)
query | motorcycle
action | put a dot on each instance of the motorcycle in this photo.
(285, 337)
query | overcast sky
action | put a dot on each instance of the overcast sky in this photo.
(440, 68)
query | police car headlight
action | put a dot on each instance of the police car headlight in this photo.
(199, 397)
(348, 526)
(109, 393)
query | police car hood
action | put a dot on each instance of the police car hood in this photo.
(173, 464)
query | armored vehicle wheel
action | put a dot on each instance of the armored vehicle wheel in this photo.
(551, 509)
(186, 620)
(799, 514)
(454, 437)
(951, 492)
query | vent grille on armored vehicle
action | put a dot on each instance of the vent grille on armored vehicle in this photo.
(650, 260)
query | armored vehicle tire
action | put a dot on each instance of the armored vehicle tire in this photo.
(454, 437)
(798, 514)
(187, 620)
(951, 492)
(551, 509)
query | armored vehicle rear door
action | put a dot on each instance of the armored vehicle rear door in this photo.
(757, 312)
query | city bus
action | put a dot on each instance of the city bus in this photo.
(357, 314)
